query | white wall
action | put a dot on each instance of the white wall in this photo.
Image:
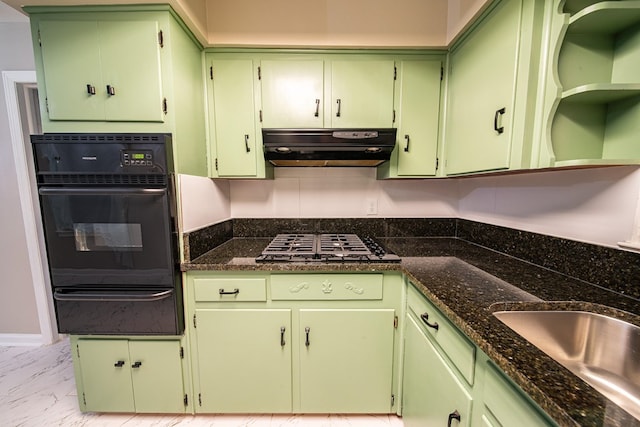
(591, 205)
(203, 200)
(18, 313)
(340, 192)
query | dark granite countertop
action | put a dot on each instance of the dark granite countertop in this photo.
(468, 283)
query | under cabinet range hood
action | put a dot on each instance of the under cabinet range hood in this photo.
(328, 147)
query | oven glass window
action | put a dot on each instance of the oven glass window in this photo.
(107, 237)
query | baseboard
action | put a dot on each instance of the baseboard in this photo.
(20, 340)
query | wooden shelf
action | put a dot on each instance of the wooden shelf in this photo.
(601, 93)
(609, 17)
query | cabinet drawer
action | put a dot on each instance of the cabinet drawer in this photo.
(458, 348)
(230, 289)
(326, 286)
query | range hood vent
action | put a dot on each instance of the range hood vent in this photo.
(328, 147)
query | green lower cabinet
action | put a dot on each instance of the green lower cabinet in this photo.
(433, 394)
(120, 375)
(243, 360)
(505, 405)
(346, 360)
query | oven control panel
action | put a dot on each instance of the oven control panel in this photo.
(136, 158)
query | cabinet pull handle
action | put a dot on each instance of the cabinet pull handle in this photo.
(246, 142)
(317, 113)
(406, 148)
(499, 113)
(137, 364)
(91, 90)
(236, 291)
(306, 331)
(339, 102)
(282, 343)
(455, 415)
(425, 319)
(119, 364)
(111, 90)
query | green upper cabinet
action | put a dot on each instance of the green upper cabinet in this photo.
(102, 70)
(233, 126)
(292, 93)
(362, 93)
(491, 90)
(593, 87)
(418, 88)
(121, 69)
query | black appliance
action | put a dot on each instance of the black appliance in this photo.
(331, 247)
(108, 211)
(328, 147)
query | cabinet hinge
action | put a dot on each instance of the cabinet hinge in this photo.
(200, 399)
(260, 116)
(181, 352)
(46, 104)
(164, 106)
(186, 400)
(393, 400)
(160, 38)
(441, 72)
(211, 72)
(395, 322)
(39, 39)
(437, 163)
(259, 73)
(395, 73)
(194, 316)
(84, 398)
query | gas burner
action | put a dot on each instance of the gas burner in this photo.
(336, 247)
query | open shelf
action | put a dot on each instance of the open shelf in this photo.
(601, 93)
(609, 17)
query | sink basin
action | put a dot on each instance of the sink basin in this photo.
(602, 350)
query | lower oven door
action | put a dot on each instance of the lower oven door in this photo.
(109, 236)
(118, 311)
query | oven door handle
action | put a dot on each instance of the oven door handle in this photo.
(99, 191)
(61, 295)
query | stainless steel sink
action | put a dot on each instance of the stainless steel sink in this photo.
(603, 351)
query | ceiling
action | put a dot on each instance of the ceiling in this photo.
(9, 14)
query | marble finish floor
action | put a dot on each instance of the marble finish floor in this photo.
(37, 389)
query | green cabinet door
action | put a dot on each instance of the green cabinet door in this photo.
(481, 96)
(156, 374)
(233, 130)
(432, 393)
(243, 360)
(130, 58)
(102, 70)
(105, 367)
(73, 74)
(419, 90)
(346, 360)
(292, 93)
(362, 93)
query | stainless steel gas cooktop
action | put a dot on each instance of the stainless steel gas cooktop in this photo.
(325, 248)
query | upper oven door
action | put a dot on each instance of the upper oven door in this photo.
(108, 236)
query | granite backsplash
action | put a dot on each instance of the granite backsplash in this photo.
(614, 269)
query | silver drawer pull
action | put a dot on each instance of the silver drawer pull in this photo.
(236, 291)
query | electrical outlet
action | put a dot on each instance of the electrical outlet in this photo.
(372, 207)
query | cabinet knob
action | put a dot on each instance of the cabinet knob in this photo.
(137, 364)
(235, 291)
(306, 332)
(246, 143)
(317, 113)
(282, 329)
(425, 319)
(339, 102)
(119, 364)
(406, 148)
(111, 90)
(91, 90)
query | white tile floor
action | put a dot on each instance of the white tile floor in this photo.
(37, 388)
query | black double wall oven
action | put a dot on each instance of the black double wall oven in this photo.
(108, 210)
